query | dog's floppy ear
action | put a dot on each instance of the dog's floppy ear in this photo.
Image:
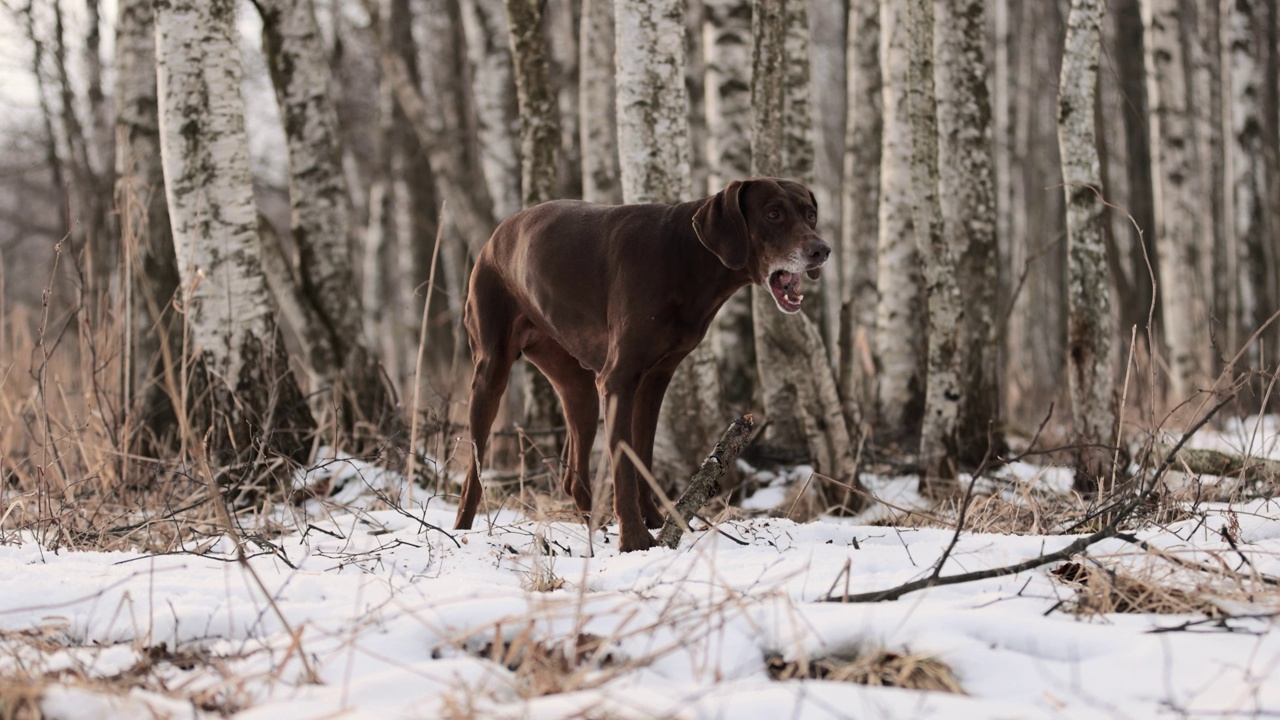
(722, 227)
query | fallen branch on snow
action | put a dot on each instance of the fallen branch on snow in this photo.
(706, 482)
(1121, 513)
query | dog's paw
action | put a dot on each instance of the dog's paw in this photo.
(634, 539)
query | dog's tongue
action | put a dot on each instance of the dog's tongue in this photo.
(786, 290)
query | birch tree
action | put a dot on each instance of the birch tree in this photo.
(539, 108)
(653, 147)
(151, 269)
(939, 444)
(727, 88)
(598, 105)
(241, 380)
(1181, 286)
(900, 331)
(493, 89)
(1245, 72)
(321, 221)
(860, 201)
(1089, 329)
(798, 387)
(966, 200)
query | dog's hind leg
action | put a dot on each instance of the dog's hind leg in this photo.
(490, 320)
(576, 387)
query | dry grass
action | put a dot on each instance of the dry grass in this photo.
(878, 667)
(1101, 590)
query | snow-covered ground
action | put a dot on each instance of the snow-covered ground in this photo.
(344, 613)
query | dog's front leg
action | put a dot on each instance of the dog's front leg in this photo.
(618, 390)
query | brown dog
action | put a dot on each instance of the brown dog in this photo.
(607, 300)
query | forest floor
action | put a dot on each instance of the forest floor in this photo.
(358, 605)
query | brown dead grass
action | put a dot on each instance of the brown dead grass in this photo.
(877, 667)
(1100, 590)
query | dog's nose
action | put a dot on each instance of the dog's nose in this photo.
(818, 252)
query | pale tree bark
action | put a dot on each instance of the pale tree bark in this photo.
(966, 196)
(653, 147)
(539, 108)
(1246, 191)
(860, 202)
(801, 402)
(598, 104)
(726, 46)
(493, 87)
(321, 224)
(1181, 287)
(939, 441)
(828, 73)
(900, 328)
(1203, 42)
(561, 25)
(241, 381)
(150, 279)
(1089, 325)
(539, 161)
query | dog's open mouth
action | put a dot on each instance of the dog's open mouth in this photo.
(785, 287)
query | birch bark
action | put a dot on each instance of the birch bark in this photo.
(1181, 287)
(239, 355)
(1089, 325)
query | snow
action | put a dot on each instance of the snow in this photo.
(342, 611)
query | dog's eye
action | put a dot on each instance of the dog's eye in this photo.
(813, 217)
(773, 214)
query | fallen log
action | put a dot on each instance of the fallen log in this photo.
(1212, 462)
(706, 481)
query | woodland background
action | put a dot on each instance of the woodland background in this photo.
(360, 121)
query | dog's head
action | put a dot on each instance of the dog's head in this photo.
(768, 227)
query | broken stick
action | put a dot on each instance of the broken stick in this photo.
(706, 482)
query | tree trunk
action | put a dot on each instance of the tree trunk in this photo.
(598, 105)
(1246, 171)
(798, 387)
(653, 145)
(966, 198)
(539, 109)
(860, 205)
(900, 328)
(939, 441)
(493, 87)
(561, 24)
(539, 160)
(150, 267)
(242, 381)
(1089, 325)
(321, 224)
(1178, 225)
(727, 56)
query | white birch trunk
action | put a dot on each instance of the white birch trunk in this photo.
(1089, 324)
(1181, 288)
(900, 329)
(653, 127)
(210, 191)
(726, 48)
(797, 384)
(1245, 72)
(539, 107)
(598, 104)
(966, 199)
(494, 93)
(938, 441)
(860, 201)
(653, 148)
